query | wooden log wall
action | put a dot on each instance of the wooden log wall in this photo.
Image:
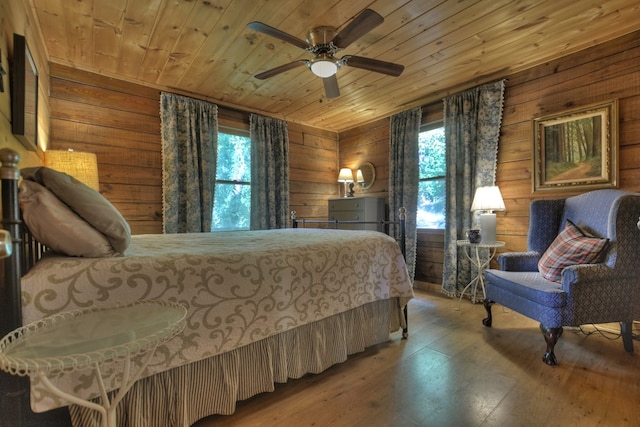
(604, 72)
(120, 122)
(313, 170)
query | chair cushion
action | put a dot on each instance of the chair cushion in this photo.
(528, 285)
(572, 246)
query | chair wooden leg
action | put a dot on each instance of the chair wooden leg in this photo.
(626, 330)
(551, 336)
(487, 320)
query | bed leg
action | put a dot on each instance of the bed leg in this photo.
(405, 330)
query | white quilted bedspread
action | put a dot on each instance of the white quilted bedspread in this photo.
(239, 287)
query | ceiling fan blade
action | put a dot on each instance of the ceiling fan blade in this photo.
(280, 69)
(331, 88)
(274, 32)
(366, 21)
(388, 68)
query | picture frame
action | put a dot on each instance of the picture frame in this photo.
(577, 149)
(24, 94)
(2, 72)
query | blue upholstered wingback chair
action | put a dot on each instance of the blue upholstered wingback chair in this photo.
(606, 290)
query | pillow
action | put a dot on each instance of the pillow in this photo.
(58, 227)
(572, 246)
(86, 202)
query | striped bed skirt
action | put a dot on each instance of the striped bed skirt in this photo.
(184, 395)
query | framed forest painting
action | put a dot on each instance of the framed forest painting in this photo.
(577, 149)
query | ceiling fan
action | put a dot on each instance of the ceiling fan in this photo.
(324, 42)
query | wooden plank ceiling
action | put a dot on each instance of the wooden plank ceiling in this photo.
(203, 48)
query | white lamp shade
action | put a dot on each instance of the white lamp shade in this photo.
(81, 166)
(359, 176)
(488, 199)
(324, 68)
(345, 175)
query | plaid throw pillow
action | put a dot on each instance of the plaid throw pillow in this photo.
(572, 246)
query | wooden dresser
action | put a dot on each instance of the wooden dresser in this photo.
(370, 209)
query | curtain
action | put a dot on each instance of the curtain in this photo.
(269, 173)
(472, 128)
(189, 129)
(404, 176)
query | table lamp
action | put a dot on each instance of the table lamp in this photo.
(488, 199)
(345, 176)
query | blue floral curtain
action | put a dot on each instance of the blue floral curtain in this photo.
(404, 176)
(472, 127)
(269, 173)
(189, 129)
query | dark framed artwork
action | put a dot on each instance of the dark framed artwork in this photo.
(577, 149)
(24, 94)
(2, 73)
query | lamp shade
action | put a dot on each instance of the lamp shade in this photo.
(359, 176)
(488, 199)
(345, 175)
(81, 166)
(324, 68)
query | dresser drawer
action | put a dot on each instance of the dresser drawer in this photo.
(365, 209)
(350, 204)
(346, 215)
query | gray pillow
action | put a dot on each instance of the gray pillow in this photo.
(53, 224)
(86, 202)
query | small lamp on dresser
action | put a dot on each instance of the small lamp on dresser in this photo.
(345, 176)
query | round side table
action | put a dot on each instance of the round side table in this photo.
(85, 339)
(480, 261)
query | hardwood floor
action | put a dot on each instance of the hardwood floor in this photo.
(452, 371)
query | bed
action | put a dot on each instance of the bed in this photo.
(263, 307)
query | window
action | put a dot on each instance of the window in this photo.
(432, 188)
(232, 202)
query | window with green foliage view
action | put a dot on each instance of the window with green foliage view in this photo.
(432, 188)
(232, 202)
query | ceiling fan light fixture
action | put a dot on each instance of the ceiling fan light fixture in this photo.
(324, 68)
(324, 43)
